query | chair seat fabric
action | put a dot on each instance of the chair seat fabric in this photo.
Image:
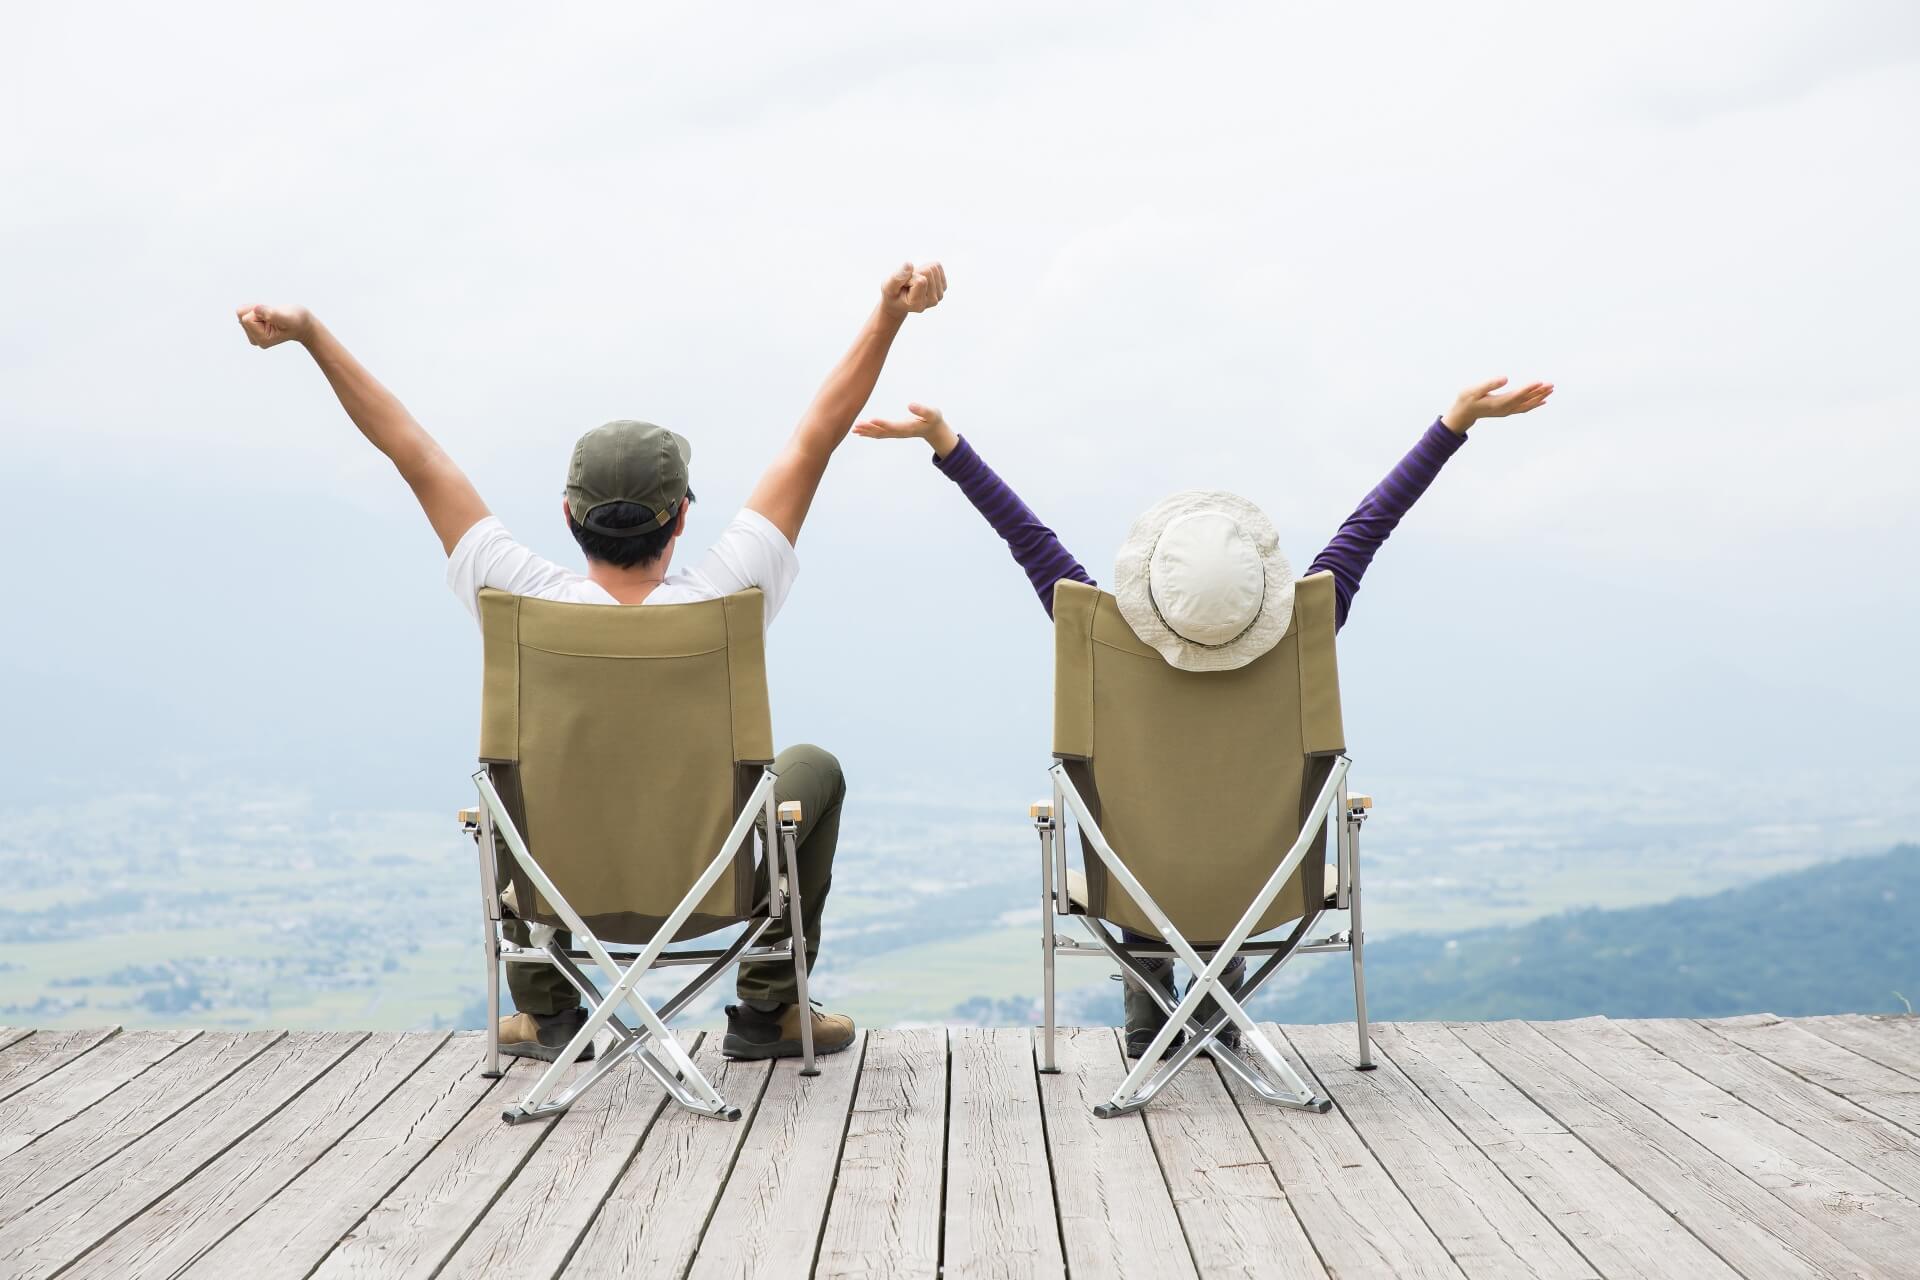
(1077, 891)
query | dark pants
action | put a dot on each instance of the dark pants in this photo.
(1140, 1007)
(806, 774)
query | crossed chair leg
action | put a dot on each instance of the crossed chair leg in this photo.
(1271, 1077)
(1205, 1037)
(650, 1043)
(638, 1044)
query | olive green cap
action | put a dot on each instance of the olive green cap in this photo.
(628, 461)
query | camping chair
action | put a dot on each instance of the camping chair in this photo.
(1202, 800)
(624, 778)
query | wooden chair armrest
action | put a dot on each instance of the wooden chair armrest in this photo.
(1355, 800)
(1040, 810)
(790, 811)
(469, 819)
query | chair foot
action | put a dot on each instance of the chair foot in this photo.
(1049, 1071)
(731, 1115)
(1110, 1111)
(1366, 1066)
(1318, 1106)
(491, 1075)
(517, 1114)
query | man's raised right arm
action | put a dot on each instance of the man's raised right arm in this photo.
(452, 504)
(785, 493)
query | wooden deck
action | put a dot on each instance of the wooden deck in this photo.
(1754, 1147)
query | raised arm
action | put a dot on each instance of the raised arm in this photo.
(786, 490)
(1362, 533)
(446, 495)
(1035, 548)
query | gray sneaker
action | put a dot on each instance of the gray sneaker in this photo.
(1144, 1017)
(1229, 1035)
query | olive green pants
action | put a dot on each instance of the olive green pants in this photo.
(806, 774)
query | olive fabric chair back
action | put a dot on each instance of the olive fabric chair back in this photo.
(1200, 781)
(624, 743)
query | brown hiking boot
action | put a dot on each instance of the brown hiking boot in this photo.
(524, 1035)
(752, 1034)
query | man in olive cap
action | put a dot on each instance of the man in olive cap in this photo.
(627, 503)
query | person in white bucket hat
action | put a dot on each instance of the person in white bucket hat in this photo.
(1201, 577)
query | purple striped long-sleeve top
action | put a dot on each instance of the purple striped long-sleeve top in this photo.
(1046, 561)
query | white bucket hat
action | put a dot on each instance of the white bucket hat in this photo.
(1201, 579)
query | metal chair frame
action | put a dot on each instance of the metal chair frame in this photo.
(1150, 1074)
(650, 1043)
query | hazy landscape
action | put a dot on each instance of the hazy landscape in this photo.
(1834, 937)
(214, 907)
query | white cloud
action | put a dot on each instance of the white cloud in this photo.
(1255, 246)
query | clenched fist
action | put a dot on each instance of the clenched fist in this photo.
(270, 326)
(912, 288)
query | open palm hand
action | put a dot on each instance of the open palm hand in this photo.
(925, 423)
(1487, 401)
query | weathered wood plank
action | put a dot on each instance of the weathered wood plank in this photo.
(769, 1217)
(292, 1232)
(885, 1215)
(33, 1173)
(171, 1234)
(1873, 1145)
(1000, 1206)
(1612, 1222)
(1718, 1203)
(1893, 1042)
(1235, 1215)
(1486, 1225)
(652, 1222)
(53, 1099)
(1116, 1215)
(1785, 1152)
(1877, 1223)
(28, 1059)
(535, 1223)
(1359, 1221)
(1862, 1081)
(10, 1034)
(415, 1226)
(88, 1209)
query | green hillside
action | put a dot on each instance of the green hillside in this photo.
(1837, 937)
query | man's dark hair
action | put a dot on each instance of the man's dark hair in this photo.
(624, 552)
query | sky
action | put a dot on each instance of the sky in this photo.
(1250, 247)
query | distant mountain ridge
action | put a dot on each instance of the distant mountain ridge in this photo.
(1838, 937)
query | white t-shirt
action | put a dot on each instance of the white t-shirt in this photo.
(750, 553)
